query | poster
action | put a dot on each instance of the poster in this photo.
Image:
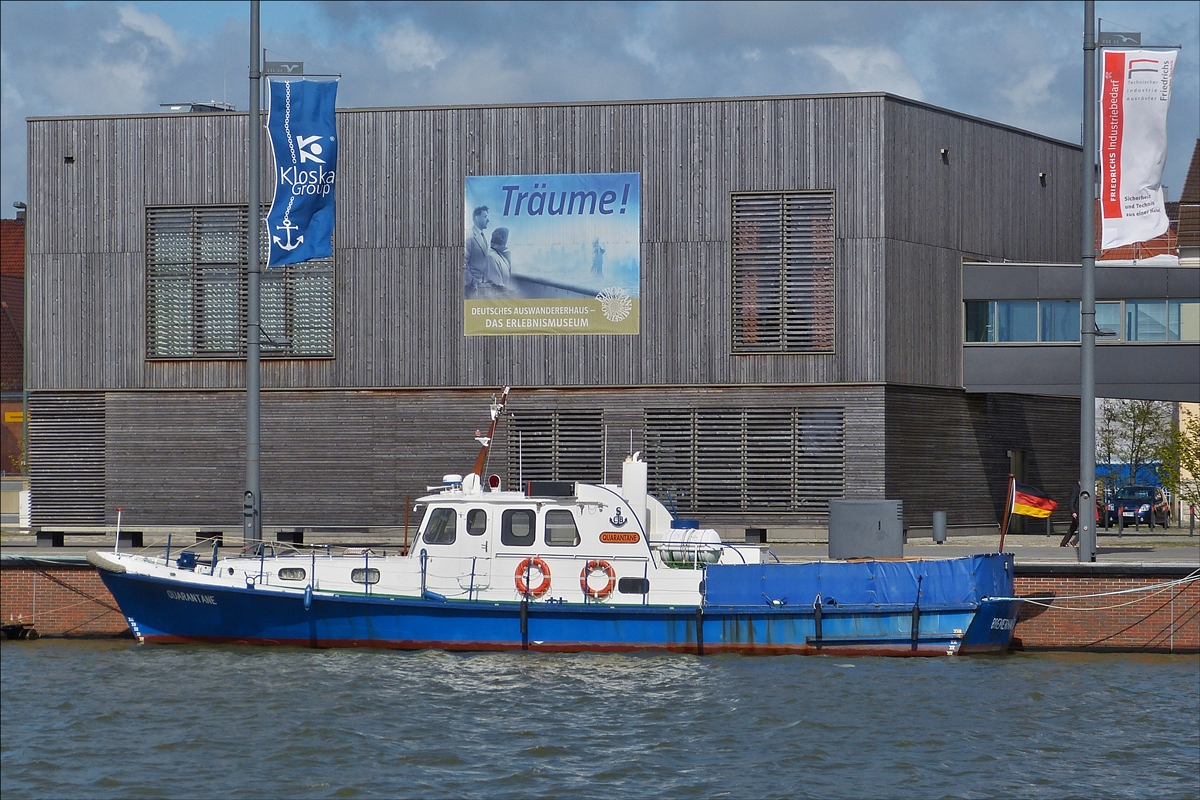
(552, 254)
(1135, 95)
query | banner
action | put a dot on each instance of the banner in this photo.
(303, 131)
(1135, 94)
(557, 254)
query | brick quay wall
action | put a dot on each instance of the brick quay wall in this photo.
(65, 597)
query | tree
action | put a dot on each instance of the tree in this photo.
(1135, 433)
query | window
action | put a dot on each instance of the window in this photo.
(980, 324)
(292, 574)
(715, 460)
(633, 586)
(441, 526)
(1060, 321)
(560, 529)
(782, 247)
(1146, 320)
(560, 444)
(1016, 321)
(196, 283)
(516, 527)
(362, 575)
(1108, 318)
(1183, 320)
(476, 522)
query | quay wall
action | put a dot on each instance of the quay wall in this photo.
(65, 597)
(1163, 620)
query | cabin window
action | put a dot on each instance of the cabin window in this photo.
(441, 527)
(560, 529)
(633, 586)
(196, 288)
(292, 574)
(362, 575)
(476, 522)
(517, 527)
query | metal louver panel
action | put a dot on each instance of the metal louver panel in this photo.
(66, 449)
(196, 288)
(755, 459)
(556, 445)
(783, 282)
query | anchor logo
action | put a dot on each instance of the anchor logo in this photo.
(616, 519)
(289, 227)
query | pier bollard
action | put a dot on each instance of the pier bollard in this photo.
(939, 527)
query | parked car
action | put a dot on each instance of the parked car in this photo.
(1139, 505)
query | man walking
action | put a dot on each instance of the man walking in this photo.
(1073, 531)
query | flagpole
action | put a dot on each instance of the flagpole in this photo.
(1008, 506)
(252, 501)
(1087, 328)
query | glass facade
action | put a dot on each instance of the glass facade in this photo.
(992, 321)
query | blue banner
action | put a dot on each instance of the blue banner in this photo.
(303, 133)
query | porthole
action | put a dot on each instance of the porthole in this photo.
(633, 586)
(292, 574)
(364, 575)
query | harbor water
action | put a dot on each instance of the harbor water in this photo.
(115, 719)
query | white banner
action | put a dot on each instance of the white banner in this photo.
(1136, 92)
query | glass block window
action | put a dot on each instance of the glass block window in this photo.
(783, 281)
(196, 285)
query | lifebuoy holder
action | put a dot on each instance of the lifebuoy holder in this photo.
(526, 567)
(598, 565)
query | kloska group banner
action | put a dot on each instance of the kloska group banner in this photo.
(552, 254)
(303, 134)
(1136, 92)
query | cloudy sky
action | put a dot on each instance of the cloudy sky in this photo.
(1017, 63)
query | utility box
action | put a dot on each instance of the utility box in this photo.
(866, 528)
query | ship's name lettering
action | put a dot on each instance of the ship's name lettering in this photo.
(1003, 624)
(205, 599)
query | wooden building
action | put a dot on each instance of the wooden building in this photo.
(754, 405)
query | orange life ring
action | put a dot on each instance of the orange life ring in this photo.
(591, 567)
(531, 564)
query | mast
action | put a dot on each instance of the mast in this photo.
(1087, 327)
(485, 442)
(252, 500)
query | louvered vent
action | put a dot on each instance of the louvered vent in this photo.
(556, 445)
(783, 285)
(738, 460)
(66, 453)
(196, 288)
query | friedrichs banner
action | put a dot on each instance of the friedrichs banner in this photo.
(303, 130)
(1133, 144)
(558, 254)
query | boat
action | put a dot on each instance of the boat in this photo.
(563, 566)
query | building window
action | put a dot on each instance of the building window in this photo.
(561, 444)
(782, 258)
(713, 460)
(196, 283)
(1059, 320)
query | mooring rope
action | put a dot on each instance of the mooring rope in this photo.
(1152, 590)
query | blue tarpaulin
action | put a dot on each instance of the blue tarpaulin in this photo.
(949, 582)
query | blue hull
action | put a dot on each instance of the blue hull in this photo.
(159, 610)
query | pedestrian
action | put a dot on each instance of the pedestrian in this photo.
(1073, 531)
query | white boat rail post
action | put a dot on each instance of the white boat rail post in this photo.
(424, 558)
(212, 568)
(117, 543)
(471, 588)
(262, 558)
(367, 570)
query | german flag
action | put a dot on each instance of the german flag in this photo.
(1031, 502)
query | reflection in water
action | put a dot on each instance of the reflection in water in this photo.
(107, 719)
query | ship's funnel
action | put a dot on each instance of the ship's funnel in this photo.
(633, 486)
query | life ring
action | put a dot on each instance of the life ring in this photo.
(591, 567)
(532, 564)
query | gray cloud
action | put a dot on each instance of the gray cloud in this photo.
(1016, 63)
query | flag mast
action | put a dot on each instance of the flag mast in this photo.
(252, 500)
(1087, 328)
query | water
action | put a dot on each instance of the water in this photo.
(114, 719)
